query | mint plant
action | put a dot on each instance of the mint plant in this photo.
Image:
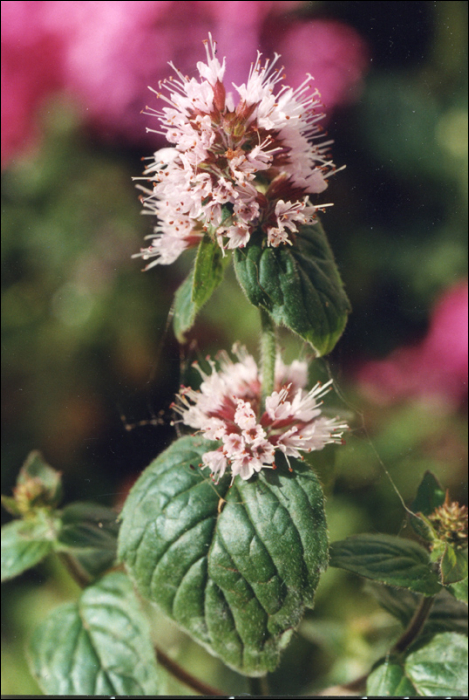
(225, 531)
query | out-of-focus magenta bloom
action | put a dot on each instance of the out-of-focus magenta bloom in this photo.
(332, 52)
(31, 69)
(436, 367)
(105, 54)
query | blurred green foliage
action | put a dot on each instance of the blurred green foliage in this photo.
(84, 339)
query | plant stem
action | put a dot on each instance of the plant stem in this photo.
(268, 354)
(258, 687)
(74, 569)
(415, 625)
(414, 628)
(185, 677)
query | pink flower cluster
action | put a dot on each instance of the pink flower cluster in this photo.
(105, 54)
(436, 367)
(234, 169)
(228, 409)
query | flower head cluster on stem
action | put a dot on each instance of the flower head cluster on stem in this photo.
(451, 522)
(228, 408)
(234, 168)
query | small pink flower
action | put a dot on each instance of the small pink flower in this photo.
(228, 408)
(234, 168)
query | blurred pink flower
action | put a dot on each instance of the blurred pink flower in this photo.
(31, 69)
(332, 52)
(436, 367)
(107, 53)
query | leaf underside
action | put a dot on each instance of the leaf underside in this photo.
(235, 575)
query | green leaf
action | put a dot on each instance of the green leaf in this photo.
(459, 590)
(185, 310)
(437, 668)
(446, 615)
(236, 575)
(25, 543)
(388, 680)
(10, 504)
(89, 534)
(198, 287)
(430, 495)
(100, 645)
(453, 566)
(36, 468)
(299, 286)
(440, 666)
(391, 560)
(209, 269)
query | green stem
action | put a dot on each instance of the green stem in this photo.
(258, 687)
(74, 569)
(268, 354)
(415, 625)
(412, 631)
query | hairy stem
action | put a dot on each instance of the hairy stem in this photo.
(268, 354)
(258, 687)
(185, 677)
(415, 625)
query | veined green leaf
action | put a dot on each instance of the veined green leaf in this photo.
(25, 543)
(185, 310)
(437, 668)
(199, 285)
(234, 567)
(388, 679)
(430, 495)
(298, 285)
(459, 590)
(100, 645)
(209, 269)
(89, 534)
(440, 666)
(453, 566)
(391, 560)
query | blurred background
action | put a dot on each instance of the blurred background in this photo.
(89, 364)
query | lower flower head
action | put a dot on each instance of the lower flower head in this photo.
(228, 409)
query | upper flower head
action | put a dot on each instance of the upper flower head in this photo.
(228, 409)
(234, 169)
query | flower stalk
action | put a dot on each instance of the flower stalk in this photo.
(268, 355)
(259, 687)
(415, 626)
